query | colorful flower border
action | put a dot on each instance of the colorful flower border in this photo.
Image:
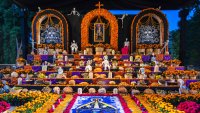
(121, 99)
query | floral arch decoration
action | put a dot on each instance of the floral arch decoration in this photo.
(48, 17)
(152, 15)
(85, 24)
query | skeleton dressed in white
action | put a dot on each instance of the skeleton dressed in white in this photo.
(74, 47)
(106, 63)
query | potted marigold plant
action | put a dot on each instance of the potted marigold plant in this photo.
(99, 48)
(89, 49)
(157, 48)
(149, 48)
(109, 49)
(59, 48)
(6, 72)
(141, 48)
(20, 62)
(40, 48)
(51, 49)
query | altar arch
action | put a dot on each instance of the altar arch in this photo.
(41, 16)
(156, 14)
(87, 20)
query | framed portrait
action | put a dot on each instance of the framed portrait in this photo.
(99, 32)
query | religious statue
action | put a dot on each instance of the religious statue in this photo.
(74, 47)
(88, 68)
(99, 32)
(74, 12)
(106, 63)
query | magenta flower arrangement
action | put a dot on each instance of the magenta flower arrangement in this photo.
(189, 107)
(4, 106)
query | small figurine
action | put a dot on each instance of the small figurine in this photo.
(142, 74)
(113, 52)
(88, 68)
(60, 70)
(106, 63)
(131, 58)
(156, 67)
(126, 43)
(45, 52)
(74, 47)
(74, 12)
(80, 90)
(153, 58)
(181, 84)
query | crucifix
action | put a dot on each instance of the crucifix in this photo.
(99, 6)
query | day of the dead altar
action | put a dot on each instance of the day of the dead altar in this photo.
(99, 73)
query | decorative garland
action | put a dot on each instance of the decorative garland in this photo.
(86, 23)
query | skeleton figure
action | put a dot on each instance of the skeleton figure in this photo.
(74, 47)
(88, 68)
(122, 19)
(126, 43)
(181, 83)
(106, 63)
(74, 12)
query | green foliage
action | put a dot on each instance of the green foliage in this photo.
(175, 36)
(10, 30)
(192, 38)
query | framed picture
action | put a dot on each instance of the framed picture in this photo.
(99, 32)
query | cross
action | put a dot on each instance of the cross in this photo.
(99, 5)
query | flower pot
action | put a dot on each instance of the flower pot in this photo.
(157, 51)
(59, 50)
(19, 64)
(50, 51)
(141, 51)
(99, 50)
(6, 75)
(40, 51)
(169, 77)
(30, 75)
(193, 77)
(89, 51)
(108, 51)
(149, 51)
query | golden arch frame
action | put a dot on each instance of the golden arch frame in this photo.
(40, 16)
(159, 16)
(86, 23)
